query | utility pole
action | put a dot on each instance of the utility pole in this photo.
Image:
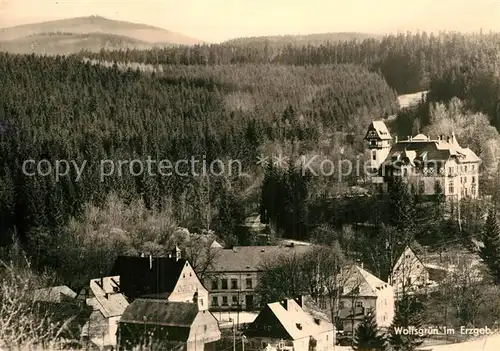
(234, 335)
(238, 305)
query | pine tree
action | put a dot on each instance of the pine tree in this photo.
(490, 252)
(367, 336)
(401, 209)
(407, 315)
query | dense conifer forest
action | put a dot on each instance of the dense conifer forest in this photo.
(233, 101)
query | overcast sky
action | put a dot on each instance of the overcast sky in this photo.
(217, 20)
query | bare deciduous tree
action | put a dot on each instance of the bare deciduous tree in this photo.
(22, 322)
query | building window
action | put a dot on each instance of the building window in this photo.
(374, 156)
(224, 300)
(249, 283)
(451, 189)
(465, 168)
(215, 301)
(473, 168)
(235, 300)
(205, 328)
(234, 284)
(341, 304)
(184, 276)
(450, 170)
(473, 179)
(224, 284)
(201, 302)
(215, 286)
(359, 304)
(373, 142)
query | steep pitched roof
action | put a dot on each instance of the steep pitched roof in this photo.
(420, 147)
(109, 302)
(249, 258)
(378, 129)
(357, 278)
(147, 275)
(310, 307)
(54, 294)
(297, 322)
(160, 312)
(407, 250)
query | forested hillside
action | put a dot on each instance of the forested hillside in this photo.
(221, 102)
(58, 108)
(407, 62)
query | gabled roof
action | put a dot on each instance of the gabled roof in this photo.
(54, 294)
(378, 129)
(310, 307)
(421, 147)
(147, 275)
(161, 312)
(297, 322)
(250, 258)
(407, 250)
(216, 244)
(109, 302)
(356, 278)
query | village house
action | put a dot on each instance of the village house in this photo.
(170, 278)
(363, 291)
(431, 167)
(409, 275)
(233, 277)
(161, 324)
(108, 304)
(60, 302)
(292, 324)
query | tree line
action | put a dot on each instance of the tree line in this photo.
(407, 61)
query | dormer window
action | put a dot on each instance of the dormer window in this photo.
(299, 326)
(373, 142)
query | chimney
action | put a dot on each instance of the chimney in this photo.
(150, 262)
(177, 253)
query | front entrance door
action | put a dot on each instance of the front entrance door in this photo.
(249, 302)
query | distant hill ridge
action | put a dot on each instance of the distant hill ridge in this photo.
(97, 24)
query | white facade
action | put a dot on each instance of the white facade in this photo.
(363, 290)
(187, 285)
(409, 274)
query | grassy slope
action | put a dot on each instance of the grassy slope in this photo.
(91, 33)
